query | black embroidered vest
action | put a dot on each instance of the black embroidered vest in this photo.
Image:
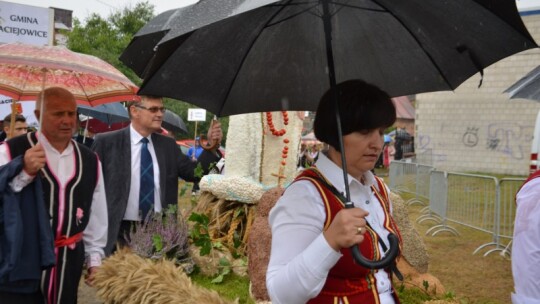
(76, 199)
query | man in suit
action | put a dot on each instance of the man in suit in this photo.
(122, 152)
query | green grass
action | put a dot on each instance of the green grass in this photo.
(232, 287)
(237, 287)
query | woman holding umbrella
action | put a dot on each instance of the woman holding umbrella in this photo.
(312, 230)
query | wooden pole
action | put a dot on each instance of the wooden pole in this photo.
(12, 120)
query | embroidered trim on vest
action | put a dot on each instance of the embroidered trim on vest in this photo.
(389, 223)
(319, 187)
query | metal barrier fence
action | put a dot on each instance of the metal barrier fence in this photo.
(407, 177)
(438, 205)
(506, 213)
(481, 202)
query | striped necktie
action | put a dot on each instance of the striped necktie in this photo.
(146, 194)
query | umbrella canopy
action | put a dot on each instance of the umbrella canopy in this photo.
(275, 57)
(108, 113)
(96, 126)
(142, 43)
(243, 56)
(141, 49)
(172, 122)
(27, 69)
(528, 87)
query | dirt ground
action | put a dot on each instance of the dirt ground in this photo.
(474, 279)
(87, 295)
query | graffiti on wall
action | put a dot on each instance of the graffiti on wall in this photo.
(510, 139)
(470, 137)
(424, 146)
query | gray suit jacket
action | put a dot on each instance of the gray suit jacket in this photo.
(114, 151)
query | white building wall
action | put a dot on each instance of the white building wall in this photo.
(480, 129)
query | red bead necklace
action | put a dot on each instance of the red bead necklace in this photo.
(271, 123)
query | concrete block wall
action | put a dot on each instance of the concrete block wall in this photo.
(480, 129)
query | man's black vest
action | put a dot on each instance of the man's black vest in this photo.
(78, 191)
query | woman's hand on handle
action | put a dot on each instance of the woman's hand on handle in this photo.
(347, 228)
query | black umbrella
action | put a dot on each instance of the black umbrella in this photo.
(528, 87)
(274, 57)
(285, 55)
(171, 121)
(144, 41)
(141, 52)
(108, 113)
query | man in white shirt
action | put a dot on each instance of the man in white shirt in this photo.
(526, 243)
(66, 178)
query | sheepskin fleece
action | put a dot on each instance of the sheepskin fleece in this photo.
(127, 278)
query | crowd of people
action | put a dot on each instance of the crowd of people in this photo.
(66, 206)
(69, 206)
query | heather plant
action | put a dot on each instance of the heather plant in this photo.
(162, 235)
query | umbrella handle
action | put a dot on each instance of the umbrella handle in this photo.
(215, 143)
(385, 262)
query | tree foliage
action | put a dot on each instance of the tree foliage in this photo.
(107, 38)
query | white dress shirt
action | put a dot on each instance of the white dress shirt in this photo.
(63, 167)
(301, 257)
(132, 210)
(526, 245)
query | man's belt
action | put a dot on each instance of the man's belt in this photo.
(70, 242)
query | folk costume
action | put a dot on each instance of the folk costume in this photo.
(526, 243)
(305, 264)
(74, 198)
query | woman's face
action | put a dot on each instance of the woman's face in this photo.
(362, 149)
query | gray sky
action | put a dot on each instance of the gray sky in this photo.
(83, 8)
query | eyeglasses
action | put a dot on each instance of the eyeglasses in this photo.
(152, 109)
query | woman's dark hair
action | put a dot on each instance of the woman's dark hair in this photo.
(362, 107)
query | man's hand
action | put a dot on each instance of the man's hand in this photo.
(89, 276)
(215, 134)
(34, 159)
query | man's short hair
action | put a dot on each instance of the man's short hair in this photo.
(143, 98)
(18, 118)
(53, 91)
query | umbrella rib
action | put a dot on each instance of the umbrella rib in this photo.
(82, 87)
(418, 42)
(292, 16)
